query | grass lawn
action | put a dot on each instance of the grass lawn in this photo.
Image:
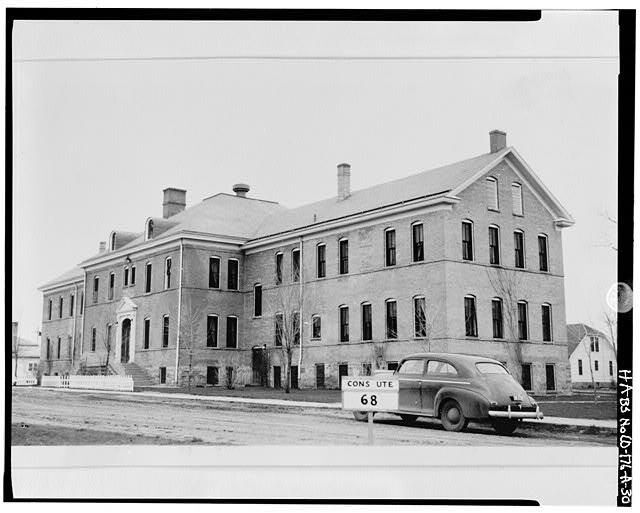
(311, 395)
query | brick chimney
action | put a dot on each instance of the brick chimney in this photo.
(344, 181)
(241, 190)
(497, 140)
(102, 247)
(174, 201)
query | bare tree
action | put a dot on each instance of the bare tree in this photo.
(190, 318)
(289, 302)
(15, 350)
(588, 349)
(425, 323)
(107, 343)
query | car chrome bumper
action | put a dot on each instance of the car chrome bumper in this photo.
(516, 414)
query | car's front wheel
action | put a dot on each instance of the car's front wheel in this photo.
(505, 426)
(452, 417)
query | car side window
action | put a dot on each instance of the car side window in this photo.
(412, 367)
(441, 368)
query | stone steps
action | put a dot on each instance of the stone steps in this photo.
(141, 377)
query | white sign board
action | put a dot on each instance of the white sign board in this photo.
(369, 393)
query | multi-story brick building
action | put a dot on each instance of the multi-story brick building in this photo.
(464, 258)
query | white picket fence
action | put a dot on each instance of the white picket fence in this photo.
(119, 383)
(22, 381)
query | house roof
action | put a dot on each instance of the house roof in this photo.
(576, 332)
(72, 275)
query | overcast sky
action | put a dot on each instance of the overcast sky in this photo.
(96, 141)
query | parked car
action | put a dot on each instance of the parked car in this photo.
(457, 388)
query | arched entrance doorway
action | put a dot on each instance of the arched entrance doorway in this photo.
(126, 338)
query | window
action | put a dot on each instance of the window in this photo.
(344, 324)
(229, 377)
(595, 362)
(321, 259)
(518, 245)
(81, 303)
(294, 376)
(125, 279)
(496, 317)
(546, 323)
(165, 331)
(516, 194)
(108, 338)
(391, 319)
(167, 273)
(147, 281)
(392, 366)
(441, 368)
(491, 368)
(470, 320)
(279, 257)
(419, 317)
(412, 367)
(343, 370)
(48, 349)
(367, 326)
(610, 368)
(389, 247)
(71, 301)
(133, 275)
(543, 255)
(60, 344)
(232, 274)
(232, 332)
(147, 333)
(257, 300)
(50, 308)
(418, 242)
(550, 372)
(366, 369)
(212, 331)
(579, 367)
(277, 376)
(163, 375)
(60, 306)
(526, 376)
(212, 376)
(319, 375)
(214, 273)
(494, 245)
(467, 240)
(112, 282)
(595, 344)
(295, 265)
(344, 256)
(279, 327)
(523, 322)
(316, 327)
(296, 328)
(492, 193)
(93, 339)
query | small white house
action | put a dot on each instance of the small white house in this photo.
(25, 356)
(590, 353)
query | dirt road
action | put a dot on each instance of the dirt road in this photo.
(213, 423)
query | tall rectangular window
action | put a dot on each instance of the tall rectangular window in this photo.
(232, 332)
(165, 331)
(418, 242)
(125, 279)
(316, 326)
(610, 368)
(167, 273)
(109, 341)
(50, 308)
(48, 349)
(60, 345)
(295, 319)
(319, 375)
(96, 288)
(163, 375)
(147, 333)
(518, 245)
(232, 274)
(419, 317)
(257, 300)
(579, 367)
(344, 256)
(81, 303)
(516, 193)
(60, 307)
(526, 376)
(494, 245)
(595, 344)
(212, 331)
(112, 283)
(492, 193)
(390, 247)
(93, 339)
(523, 322)
(279, 257)
(546, 323)
(133, 275)
(595, 362)
(321, 252)
(496, 316)
(71, 302)
(367, 324)
(550, 372)
(391, 320)
(214, 273)
(467, 240)
(279, 327)
(212, 375)
(148, 275)
(295, 265)
(470, 319)
(543, 253)
(344, 324)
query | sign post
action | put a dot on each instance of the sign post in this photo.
(369, 394)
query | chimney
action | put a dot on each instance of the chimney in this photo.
(174, 201)
(497, 140)
(344, 181)
(241, 190)
(102, 247)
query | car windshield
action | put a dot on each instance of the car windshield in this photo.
(491, 368)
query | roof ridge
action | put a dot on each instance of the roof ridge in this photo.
(236, 196)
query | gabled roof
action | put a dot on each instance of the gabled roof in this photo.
(576, 332)
(72, 275)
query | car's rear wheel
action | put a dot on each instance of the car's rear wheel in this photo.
(409, 419)
(452, 417)
(360, 416)
(505, 426)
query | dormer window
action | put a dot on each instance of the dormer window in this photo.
(148, 232)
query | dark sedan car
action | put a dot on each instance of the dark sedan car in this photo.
(458, 388)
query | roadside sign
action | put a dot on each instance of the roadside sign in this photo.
(369, 394)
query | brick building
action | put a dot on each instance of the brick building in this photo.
(465, 258)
